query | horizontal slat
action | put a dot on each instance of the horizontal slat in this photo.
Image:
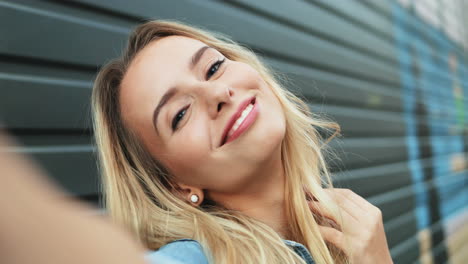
(44, 68)
(372, 181)
(51, 139)
(367, 152)
(68, 159)
(406, 251)
(71, 166)
(46, 103)
(73, 170)
(360, 123)
(401, 228)
(383, 7)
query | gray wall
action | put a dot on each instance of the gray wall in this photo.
(378, 69)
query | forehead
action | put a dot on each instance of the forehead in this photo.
(156, 68)
(160, 60)
(175, 49)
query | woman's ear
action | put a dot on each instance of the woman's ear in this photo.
(192, 195)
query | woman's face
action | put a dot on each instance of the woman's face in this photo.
(214, 123)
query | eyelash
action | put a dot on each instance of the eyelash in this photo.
(217, 64)
(178, 117)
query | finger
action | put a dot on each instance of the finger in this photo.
(349, 223)
(347, 196)
(354, 197)
(349, 207)
(335, 237)
(372, 211)
(317, 208)
(327, 219)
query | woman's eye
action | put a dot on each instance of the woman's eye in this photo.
(179, 116)
(214, 68)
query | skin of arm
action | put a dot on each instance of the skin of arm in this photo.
(38, 224)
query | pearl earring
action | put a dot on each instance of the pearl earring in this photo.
(194, 198)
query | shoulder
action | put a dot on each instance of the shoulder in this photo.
(180, 251)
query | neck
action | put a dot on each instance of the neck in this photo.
(264, 198)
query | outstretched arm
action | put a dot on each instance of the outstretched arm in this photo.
(39, 225)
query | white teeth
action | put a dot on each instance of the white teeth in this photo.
(240, 119)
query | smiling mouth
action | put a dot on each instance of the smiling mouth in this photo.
(236, 123)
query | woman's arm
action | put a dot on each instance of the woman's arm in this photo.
(39, 225)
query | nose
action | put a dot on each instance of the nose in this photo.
(218, 97)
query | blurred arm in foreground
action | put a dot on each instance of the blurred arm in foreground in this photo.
(38, 224)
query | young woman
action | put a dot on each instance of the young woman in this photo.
(206, 158)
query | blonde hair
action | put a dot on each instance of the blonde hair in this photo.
(136, 187)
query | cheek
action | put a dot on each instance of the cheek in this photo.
(243, 76)
(188, 151)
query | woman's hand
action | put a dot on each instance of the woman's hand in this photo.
(362, 227)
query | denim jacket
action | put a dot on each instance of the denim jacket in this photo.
(184, 251)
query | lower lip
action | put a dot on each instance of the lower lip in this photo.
(248, 121)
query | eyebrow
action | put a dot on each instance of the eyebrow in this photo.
(196, 57)
(169, 94)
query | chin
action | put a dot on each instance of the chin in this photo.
(267, 144)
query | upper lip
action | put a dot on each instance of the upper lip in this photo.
(235, 116)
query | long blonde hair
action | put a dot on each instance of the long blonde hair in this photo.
(136, 187)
